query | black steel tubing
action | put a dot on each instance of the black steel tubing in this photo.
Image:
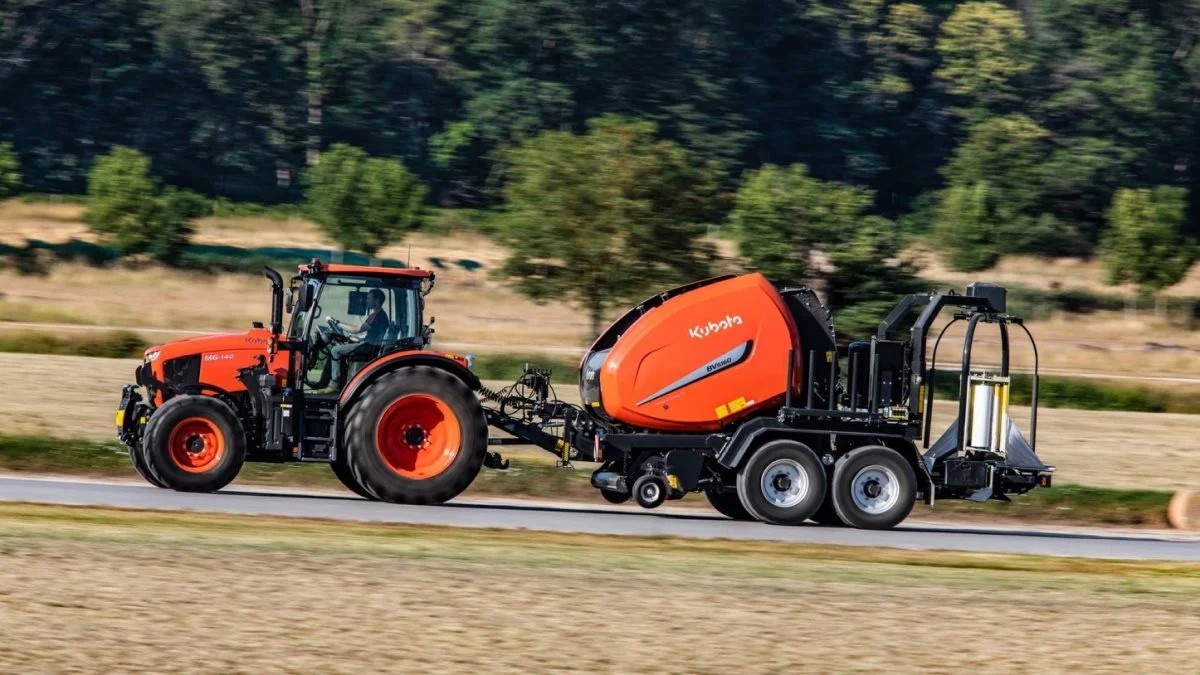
(1033, 406)
(833, 363)
(791, 378)
(854, 381)
(931, 380)
(968, 339)
(812, 381)
(871, 389)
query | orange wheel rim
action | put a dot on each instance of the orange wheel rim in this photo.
(196, 445)
(418, 436)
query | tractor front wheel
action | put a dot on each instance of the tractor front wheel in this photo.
(193, 444)
(416, 436)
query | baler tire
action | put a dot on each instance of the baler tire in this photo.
(860, 464)
(614, 497)
(727, 503)
(342, 470)
(204, 417)
(827, 515)
(409, 400)
(782, 456)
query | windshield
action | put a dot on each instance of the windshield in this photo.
(387, 310)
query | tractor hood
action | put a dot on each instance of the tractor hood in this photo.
(209, 362)
(257, 339)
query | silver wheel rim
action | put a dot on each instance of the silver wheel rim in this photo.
(875, 490)
(784, 483)
(650, 492)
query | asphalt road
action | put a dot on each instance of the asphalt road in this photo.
(627, 521)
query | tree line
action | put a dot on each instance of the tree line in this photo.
(820, 130)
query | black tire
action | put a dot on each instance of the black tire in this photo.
(139, 465)
(727, 503)
(191, 419)
(775, 461)
(342, 470)
(650, 491)
(614, 497)
(827, 515)
(866, 464)
(378, 474)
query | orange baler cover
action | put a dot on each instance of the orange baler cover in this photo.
(703, 359)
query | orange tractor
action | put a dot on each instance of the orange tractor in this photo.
(728, 386)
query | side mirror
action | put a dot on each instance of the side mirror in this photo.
(305, 299)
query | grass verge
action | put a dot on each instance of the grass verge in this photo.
(531, 477)
(1080, 394)
(118, 344)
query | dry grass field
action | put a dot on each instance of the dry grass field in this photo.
(92, 590)
(1102, 449)
(475, 307)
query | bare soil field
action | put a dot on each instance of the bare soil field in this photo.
(91, 590)
(74, 397)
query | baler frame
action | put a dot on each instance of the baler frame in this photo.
(840, 429)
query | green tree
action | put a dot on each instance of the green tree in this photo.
(982, 46)
(993, 201)
(966, 224)
(123, 204)
(363, 203)
(781, 215)
(867, 277)
(127, 209)
(604, 217)
(1143, 244)
(10, 171)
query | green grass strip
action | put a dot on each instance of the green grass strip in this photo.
(117, 344)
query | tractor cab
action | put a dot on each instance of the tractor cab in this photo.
(344, 317)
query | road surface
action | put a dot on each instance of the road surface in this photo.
(627, 521)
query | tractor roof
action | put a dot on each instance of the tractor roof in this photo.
(318, 267)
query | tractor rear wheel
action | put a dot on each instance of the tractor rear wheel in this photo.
(194, 444)
(416, 436)
(341, 469)
(874, 488)
(727, 503)
(783, 483)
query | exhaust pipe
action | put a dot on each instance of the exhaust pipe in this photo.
(276, 300)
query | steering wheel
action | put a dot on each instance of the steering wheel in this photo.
(336, 330)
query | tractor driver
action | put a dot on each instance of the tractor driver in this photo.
(375, 326)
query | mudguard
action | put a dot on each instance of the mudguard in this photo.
(453, 363)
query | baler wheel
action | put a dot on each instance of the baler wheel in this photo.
(614, 497)
(416, 436)
(194, 444)
(827, 515)
(727, 503)
(874, 488)
(650, 491)
(783, 483)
